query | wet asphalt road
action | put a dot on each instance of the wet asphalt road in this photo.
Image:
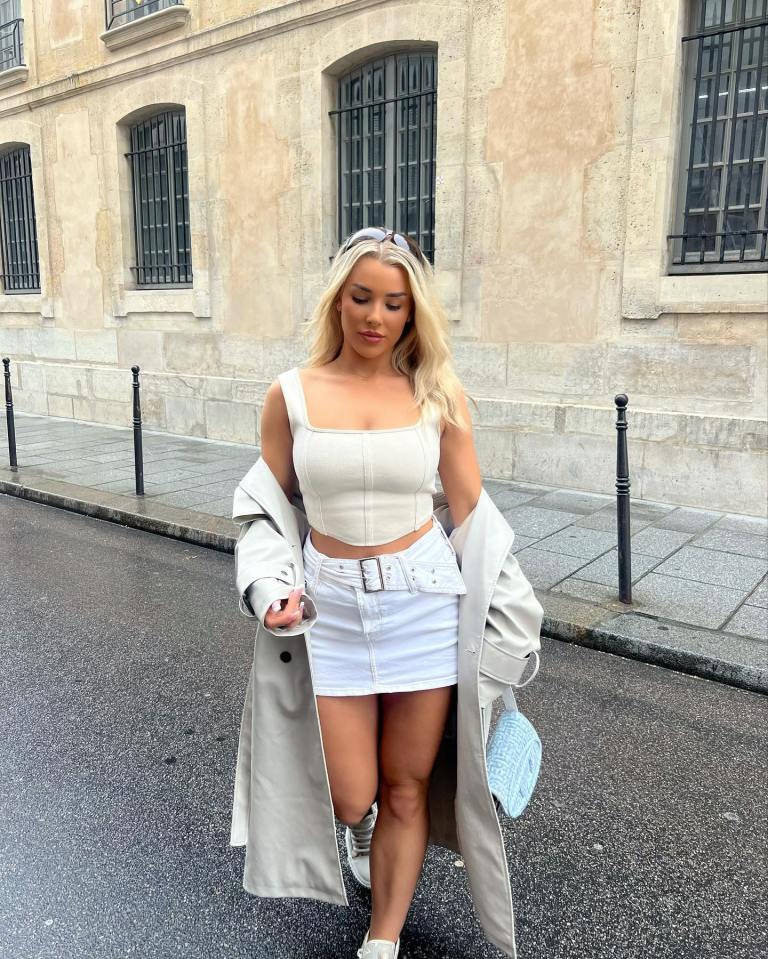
(124, 665)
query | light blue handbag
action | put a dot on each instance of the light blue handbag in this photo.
(513, 755)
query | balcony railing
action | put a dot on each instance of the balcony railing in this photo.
(11, 44)
(120, 12)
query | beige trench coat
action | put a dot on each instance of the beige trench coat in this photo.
(282, 810)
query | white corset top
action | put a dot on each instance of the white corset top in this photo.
(363, 487)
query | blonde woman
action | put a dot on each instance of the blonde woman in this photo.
(361, 432)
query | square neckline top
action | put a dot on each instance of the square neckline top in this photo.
(338, 429)
(362, 486)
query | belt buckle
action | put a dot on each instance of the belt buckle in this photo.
(362, 574)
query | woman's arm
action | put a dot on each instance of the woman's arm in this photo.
(514, 617)
(276, 441)
(459, 470)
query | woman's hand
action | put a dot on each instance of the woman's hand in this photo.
(290, 614)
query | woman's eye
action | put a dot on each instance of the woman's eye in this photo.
(390, 307)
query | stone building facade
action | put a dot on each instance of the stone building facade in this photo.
(560, 160)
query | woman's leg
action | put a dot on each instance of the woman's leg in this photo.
(349, 727)
(412, 725)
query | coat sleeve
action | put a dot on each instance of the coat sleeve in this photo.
(512, 632)
(265, 569)
(512, 629)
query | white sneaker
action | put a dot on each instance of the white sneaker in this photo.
(378, 948)
(358, 842)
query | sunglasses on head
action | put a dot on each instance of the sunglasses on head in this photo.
(376, 233)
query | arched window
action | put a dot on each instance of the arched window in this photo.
(158, 158)
(11, 35)
(721, 223)
(18, 229)
(386, 131)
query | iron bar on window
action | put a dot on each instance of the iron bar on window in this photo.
(722, 223)
(385, 125)
(18, 228)
(161, 200)
(11, 42)
(120, 12)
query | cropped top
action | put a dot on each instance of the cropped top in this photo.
(363, 487)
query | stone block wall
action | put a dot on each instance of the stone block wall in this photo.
(555, 189)
(686, 458)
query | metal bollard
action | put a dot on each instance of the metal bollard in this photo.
(138, 453)
(9, 415)
(622, 500)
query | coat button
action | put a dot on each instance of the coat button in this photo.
(285, 656)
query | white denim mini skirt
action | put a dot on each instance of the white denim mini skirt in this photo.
(386, 623)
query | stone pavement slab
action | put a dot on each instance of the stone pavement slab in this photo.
(688, 520)
(603, 570)
(658, 541)
(716, 566)
(735, 541)
(759, 596)
(578, 541)
(546, 569)
(536, 521)
(665, 596)
(751, 621)
(606, 519)
(700, 578)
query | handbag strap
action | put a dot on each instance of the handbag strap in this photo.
(509, 696)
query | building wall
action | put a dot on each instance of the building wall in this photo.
(557, 139)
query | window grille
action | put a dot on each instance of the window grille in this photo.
(120, 12)
(723, 216)
(18, 230)
(386, 135)
(11, 35)
(158, 158)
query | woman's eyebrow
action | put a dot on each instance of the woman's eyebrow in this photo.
(365, 289)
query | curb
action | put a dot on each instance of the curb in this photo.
(160, 520)
(217, 533)
(689, 661)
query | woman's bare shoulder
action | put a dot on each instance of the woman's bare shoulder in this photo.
(274, 400)
(275, 437)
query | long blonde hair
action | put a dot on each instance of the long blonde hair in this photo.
(422, 353)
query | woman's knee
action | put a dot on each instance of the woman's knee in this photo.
(350, 811)
(406, 800)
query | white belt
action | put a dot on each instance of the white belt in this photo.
(393, 571)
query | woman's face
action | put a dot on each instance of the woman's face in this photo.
(377, 298)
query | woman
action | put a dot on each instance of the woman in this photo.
(414, 610)
(377, 412)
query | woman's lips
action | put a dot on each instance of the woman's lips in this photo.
(372, 338)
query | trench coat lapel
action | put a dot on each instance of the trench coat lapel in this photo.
(283, 810)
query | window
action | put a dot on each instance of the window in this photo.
(125, 11)
(11, 35)
(18, 232)
(158, 159)
(386, 134)
(722, 223)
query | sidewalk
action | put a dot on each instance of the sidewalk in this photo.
(700, 590)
